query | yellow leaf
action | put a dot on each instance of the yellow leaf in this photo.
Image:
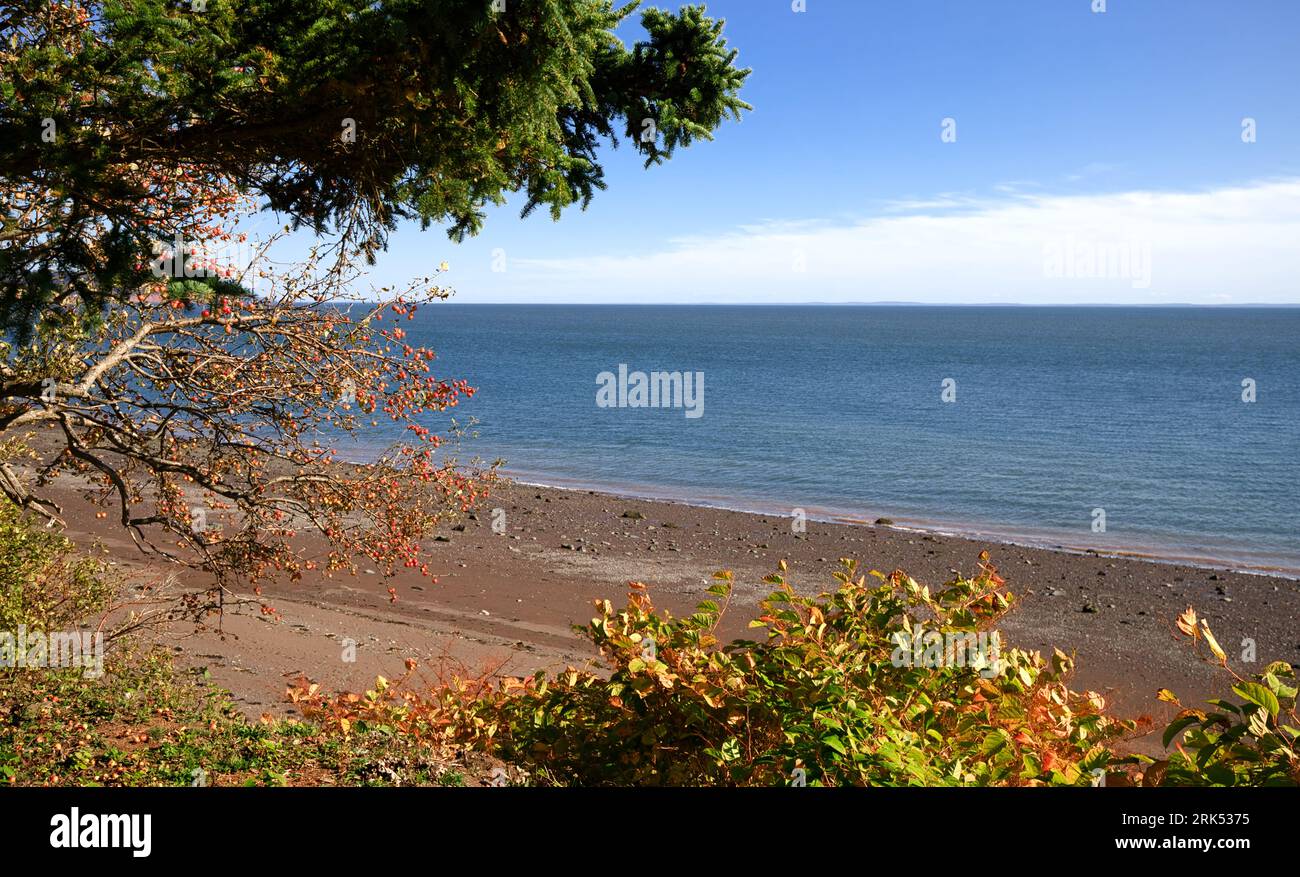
(1213, 643)
(1187, 622)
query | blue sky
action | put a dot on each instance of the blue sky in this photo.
(1098, 158)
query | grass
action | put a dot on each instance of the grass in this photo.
(147, 724)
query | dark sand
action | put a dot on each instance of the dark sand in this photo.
(507, 601)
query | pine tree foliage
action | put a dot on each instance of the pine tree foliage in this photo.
(345, 115)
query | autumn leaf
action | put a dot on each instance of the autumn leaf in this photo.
(1213, 643)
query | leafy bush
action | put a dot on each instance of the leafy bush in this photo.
(824, 699)
(1252, 742)
(44, 584)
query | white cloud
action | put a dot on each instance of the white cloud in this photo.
(1226, 245)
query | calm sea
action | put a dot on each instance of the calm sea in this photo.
(1061, 420)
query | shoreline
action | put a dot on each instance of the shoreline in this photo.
(828, 515)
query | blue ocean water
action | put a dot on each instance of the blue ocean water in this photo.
(839, 411)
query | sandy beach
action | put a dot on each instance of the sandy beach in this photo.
(506, 601)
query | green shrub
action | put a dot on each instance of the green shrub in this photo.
(44, 584)
(1252, 741)
(824, 699)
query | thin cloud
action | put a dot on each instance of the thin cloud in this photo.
(1219, 246)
